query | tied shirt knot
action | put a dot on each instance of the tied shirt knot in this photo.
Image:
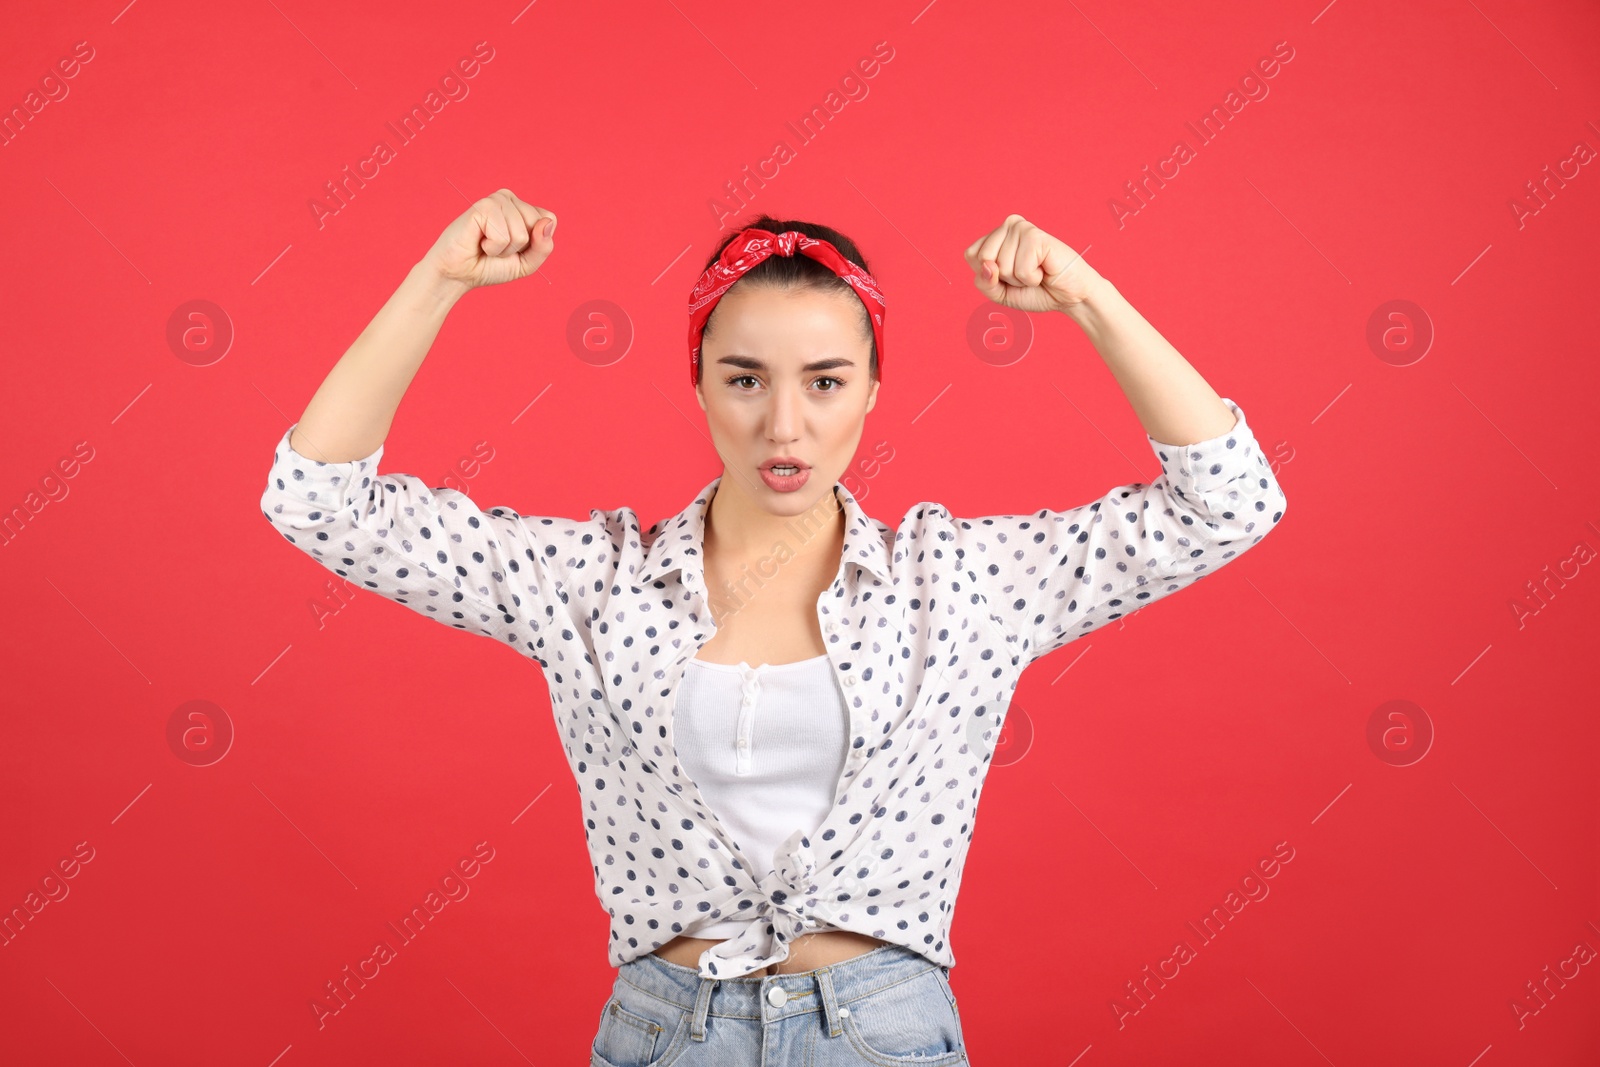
(785, 896)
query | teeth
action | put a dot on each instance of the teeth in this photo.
(786, 471)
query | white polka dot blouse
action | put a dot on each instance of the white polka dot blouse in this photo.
(928, 626)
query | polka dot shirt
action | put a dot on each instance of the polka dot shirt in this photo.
(928, 626)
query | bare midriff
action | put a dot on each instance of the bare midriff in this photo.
(806, 952)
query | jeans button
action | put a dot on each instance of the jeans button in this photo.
(777, 996)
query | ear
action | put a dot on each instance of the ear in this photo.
(699, 392)
(872, 395)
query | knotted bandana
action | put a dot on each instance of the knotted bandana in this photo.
(750, 247)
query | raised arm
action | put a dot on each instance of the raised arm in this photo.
(498, 239)
(1021, 266)
(492, 572)
(1056, 574)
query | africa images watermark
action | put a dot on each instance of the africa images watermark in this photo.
(16, 118)
(737, 194)
(1138, 993)
(455, 89)
(1255, 89)
(453, 888)
(734, 594)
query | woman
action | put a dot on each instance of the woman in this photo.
(779, 846)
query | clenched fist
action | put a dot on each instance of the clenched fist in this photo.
(1020, 266)
(499, 239)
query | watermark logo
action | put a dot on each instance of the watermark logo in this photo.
(468, 467)
(999, 336)
(52, 490)
(199, 332)
(1399, 332)
(338, 595)
(52, 90)
(737, 194)
(338, 993)
(1138, 993)
(453, 88)
(1552, 582)
(1541, 191)
(733, 594)
(199, 732)
(1542, 991)
(1399, 732)
(599, 332)
(1004, 746)
(1140, 191)
(52, 889)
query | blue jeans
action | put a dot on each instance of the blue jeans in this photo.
(885, 1007)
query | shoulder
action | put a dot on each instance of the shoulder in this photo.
(607, 534)
(923, 536)
(931, 519)
(930, 534)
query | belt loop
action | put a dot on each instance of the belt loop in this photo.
(830, 1002)
(702, 1004)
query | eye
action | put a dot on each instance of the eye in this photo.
(838, 383)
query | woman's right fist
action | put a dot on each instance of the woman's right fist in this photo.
(498, 239)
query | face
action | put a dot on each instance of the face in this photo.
(785, 373)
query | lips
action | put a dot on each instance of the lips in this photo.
(785, 483)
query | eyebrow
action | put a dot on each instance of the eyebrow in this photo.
(751, 363)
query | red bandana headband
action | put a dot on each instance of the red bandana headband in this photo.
(750, 247)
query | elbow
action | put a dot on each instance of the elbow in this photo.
(1228, 520)
(272, 507)
(1267, 503)
(1252, 503)
(1245, 522)
(289, 514)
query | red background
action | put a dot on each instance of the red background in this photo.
(371, 751)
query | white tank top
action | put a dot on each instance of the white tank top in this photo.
(766, 745)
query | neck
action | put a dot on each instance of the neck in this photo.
(740, 528)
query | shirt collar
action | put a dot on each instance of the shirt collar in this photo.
(678, 546)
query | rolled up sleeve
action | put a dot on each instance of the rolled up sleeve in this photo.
(1052, 576)
(491, 572)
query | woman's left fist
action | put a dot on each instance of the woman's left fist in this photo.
(1022, 267)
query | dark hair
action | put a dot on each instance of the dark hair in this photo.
(799, 271)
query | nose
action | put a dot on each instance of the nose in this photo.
(785, 414)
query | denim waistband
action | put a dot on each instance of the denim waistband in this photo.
(826, 988)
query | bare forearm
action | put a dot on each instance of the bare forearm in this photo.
(1171, 399)
(350, 414)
